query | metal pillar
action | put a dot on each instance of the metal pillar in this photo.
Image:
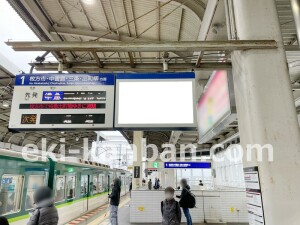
(266, 110)
(170, 178)
(137, 141)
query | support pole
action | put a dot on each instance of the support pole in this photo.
(266, 110)
(60, 66)
(170, 178)
(137, 141)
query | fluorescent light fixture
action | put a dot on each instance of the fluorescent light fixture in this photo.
(89, 2)
(5, 104)
(112, 136)
(111, 133)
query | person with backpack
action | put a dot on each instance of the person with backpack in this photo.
(45, 212)
(187, 200)
(156, 184)
(170, 209)
(115, 201)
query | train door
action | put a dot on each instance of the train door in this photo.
(84, 191)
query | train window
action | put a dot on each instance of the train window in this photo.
(71, 187)
(60, 181)
(95, 184)
(34, 182)
(11, 193)
(84, 184)
(101, 184)
(98, 185)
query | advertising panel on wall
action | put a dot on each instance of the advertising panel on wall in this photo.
(63, 101)
(216, 107)
(254, 196)
(137, 172)
(155, 101)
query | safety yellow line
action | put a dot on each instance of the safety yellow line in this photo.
(105, 216)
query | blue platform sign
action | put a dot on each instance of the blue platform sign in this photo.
(187, 165)
(64, 79)
(53, 95)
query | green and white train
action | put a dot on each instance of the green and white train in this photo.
(79, 186)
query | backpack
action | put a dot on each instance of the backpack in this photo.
(191, 199)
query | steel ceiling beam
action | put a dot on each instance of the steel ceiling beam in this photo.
(180, 24)
(208, 17)
(4, 111)
(167, 46)
(292, 48)
(35, 17)
(158, 26)
(154, 67)
(85, 14)
(97, 59)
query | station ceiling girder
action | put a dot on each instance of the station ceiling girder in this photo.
(138, 67)
(162, 46)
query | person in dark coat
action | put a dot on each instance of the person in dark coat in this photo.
(3, 221)
(156, 184)
(201, 183)
(115, 201)
(130, 188)
(150, 185)
(45, 212)
(170, 209)
(184, 200)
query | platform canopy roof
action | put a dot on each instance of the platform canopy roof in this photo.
(136, 21)
(123, 20)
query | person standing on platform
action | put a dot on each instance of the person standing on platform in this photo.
(115, 201)
(45, 212)
(3, 221)
(201, 183)
(150, 185)
(130, 188)
(170, 209)
(184, 200)
(156, 184)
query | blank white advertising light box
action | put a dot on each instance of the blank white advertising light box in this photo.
(163, 100)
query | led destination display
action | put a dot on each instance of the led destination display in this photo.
(63, 101)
